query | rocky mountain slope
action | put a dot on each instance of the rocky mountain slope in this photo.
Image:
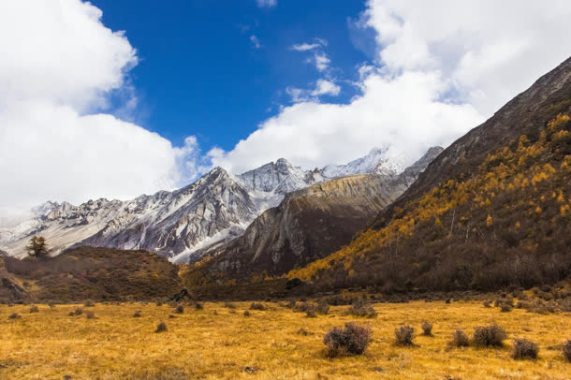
(493, 210)
(217, 207)
(306, 226)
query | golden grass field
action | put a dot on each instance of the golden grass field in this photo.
(219, 342)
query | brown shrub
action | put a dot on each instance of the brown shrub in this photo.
(257, 306)
(229, 305)
(14, 316)
(524, 349)
(137, 314)
(505, 308)
(567, 350)
(161, 327)
(246, 313)
(77, 311)
(90, 315)
(489, 336)
(322, 308)
(426, 328)
(34, 309)
(459, 339)
(353, 340)
(89, 303)
(360, 308)
(179, 309)
(404, 335)
(198, 306)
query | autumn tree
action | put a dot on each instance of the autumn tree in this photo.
(37, 247)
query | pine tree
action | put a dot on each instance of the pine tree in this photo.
(37, 247)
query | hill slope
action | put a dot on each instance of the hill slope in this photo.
(88, 273)
(493, 209)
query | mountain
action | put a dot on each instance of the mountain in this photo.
(216, 208)
(97, 274)
(491, 211)
(308, 225)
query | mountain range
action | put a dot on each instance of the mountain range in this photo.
(216, 208)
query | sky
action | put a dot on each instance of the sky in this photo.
(115, 98)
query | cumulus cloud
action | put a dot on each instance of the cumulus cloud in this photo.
(58, 66)
(267, 3)
(435, 77)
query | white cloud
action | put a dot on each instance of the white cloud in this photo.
(319, 58)
(255, 41)
(267, 3)
(322, 87)
(436, 77)
(58, 64)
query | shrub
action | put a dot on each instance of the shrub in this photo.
(404, 335)
(89, 304)
(353, 339)
(311, 313)
(303, 332)
(489, 336)
(567, 350)
(179, 309)
(198, 306)
(34, 309)
(257, 306)
(161, 327)
(90, 315)
(459, 339)
(505, 308)
(77, 311)
(229, 305)
(246, 313)
(524, 349)
(137, 314)
(360, 308)
(426, 328)
(14, 316)
(322, 308)
(487, 303)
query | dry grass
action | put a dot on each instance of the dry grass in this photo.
(217, 342)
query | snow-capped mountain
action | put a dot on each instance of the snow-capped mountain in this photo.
(217, 207)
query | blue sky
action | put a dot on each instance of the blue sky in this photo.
(89, 111)
(200, 74)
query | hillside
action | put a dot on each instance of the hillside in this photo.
(493, 210)
(88, 273)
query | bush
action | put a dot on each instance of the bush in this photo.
(76, 312)
(198, 306)
(89, 304)
(90, 315)
(311, 313)
(14, 316)
(179, 309)
(161, 327)
(246, 313)
(487, 303)
(137, 314)
(303, 332)
(505, 308)
(459, 339)
(353, 340)
(404, 335)
(524, 349)
(360, 308)
(567, 350)
(426, 328)
(34, 309)
(489, 336)
(257, 306)
(322, 308)
(229, 305)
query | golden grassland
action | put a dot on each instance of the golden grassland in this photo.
(220, 342)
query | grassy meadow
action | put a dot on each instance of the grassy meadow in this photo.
(219, 341)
